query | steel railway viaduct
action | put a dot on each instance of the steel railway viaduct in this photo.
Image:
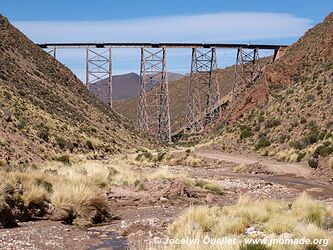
(203, 104)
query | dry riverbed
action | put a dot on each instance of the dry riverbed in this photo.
(142, 211)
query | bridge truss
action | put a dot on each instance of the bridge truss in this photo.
(204, 103)
(247, 69)
(99, 72)
(203, 90)
(154, 113)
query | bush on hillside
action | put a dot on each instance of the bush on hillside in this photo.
(263, 142)
(246, 132)
(313, 163)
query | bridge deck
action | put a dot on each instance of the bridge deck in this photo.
(162, 45)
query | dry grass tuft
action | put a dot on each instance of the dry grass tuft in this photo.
(162, 173)
(2, 192)
(213, 186)
(77, 192)
(80, 200)
(35, 195)
(240, 168)
(304, 217)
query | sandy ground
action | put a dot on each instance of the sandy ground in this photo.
(278, 168)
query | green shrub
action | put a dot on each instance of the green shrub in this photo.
(63, 144)
(263, 142)
(37, 73)
(313, 163)
(324, 151)
(22, 124)
(312, 247)
(246, 132)
(271, 123)
(283, 138)
(160, 156)
(310, 98)
(303, 120)
(300, 156)
(329, 135)
(43, 134)
(322, 135)
(7, 95)
(144, 155)
(312, 137)
(45, 184)
(329, 124)
(297, 145)
(63, 159)
(89, 145)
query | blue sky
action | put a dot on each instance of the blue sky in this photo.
(256, 21)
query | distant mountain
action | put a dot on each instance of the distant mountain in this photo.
(124, 86)
(174, 76)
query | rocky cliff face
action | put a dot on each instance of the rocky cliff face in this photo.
(309, 56)
(288, 113)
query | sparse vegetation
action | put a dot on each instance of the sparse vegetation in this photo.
(263, 142)
(77, 193)
(301, 218)
(313, 162)
(64, 159)
(79, 202)
(240, 168)
(245, 132)
(209, 185)
(324, 151)
(271, 123)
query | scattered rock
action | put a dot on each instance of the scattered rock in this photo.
(7, 218)
(286, 236)
(209, 198)
(163, 198)
(250, 230)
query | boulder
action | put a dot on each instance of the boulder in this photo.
(7, 219)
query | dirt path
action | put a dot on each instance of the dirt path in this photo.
(278, 168)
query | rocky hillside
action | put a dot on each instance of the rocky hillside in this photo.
(288, 114)
(46, 112)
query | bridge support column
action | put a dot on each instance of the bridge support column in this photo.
(99, 73)
(203, 90)
(154, 113)
(247, 69)
(278, 53)
(52, 52)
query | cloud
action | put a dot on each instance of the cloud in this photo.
(257, 27)
(215, 27)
